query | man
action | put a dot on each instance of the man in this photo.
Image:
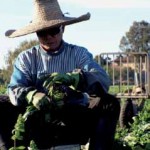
(55, 65)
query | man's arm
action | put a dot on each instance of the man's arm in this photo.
(20, 82)
(22, 89)
(93, 71)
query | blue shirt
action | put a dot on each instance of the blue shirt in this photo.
(31, 65)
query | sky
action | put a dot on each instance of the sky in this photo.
(110, 20)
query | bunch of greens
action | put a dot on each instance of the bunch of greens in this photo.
(19, 130)
(138, 136)
(52, 87)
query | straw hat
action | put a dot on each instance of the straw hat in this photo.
(47, 14)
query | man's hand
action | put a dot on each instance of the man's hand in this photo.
(38, 99)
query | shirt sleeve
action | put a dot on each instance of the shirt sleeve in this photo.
(20, 82)
(95, 73)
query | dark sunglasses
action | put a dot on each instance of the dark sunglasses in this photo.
(51, 32)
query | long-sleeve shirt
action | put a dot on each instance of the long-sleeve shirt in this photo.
(31, 65)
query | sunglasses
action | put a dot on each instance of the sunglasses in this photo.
(51, 32)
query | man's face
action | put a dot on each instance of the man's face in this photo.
(50, 39)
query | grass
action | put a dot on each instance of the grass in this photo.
(119, 89)
(2, 89)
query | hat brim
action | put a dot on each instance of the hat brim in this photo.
(34, 27)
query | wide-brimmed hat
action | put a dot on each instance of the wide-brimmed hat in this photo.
(46, 14)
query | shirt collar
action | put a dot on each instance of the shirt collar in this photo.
(60, 50)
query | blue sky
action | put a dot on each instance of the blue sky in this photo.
(110, 20)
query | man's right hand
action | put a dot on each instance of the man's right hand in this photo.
(38, 99)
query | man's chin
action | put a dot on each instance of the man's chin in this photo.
(47, 48)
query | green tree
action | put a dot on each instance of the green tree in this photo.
(10, 58)
(137, 39)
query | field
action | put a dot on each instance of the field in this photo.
(137, 137)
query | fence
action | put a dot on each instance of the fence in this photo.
(129, 73)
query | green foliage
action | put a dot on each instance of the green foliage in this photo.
(119, 89)
(138, 136)
(33, 146)
(17, 133)
(6, 72)
(19, 130)
(30, 110)
(17, 148)
(137, 38)
(2, 89)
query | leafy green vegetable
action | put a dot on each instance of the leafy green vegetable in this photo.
(138, 136)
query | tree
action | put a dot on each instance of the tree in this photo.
(10, 58)
(137, 39)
